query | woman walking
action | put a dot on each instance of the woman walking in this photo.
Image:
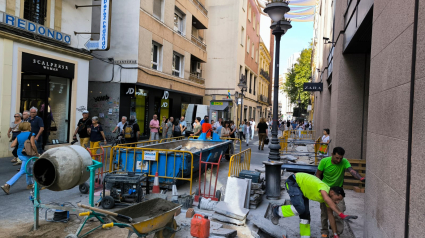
(241, 131)
(169, 128)
(96, 135)
(12, 133)
(162, 128)
(232, 129)
(19, 142)
(247, 132)
(177, 128)
(219, 127)
(225, 133)
(262, 133)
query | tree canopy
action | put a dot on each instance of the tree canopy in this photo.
(297, 75)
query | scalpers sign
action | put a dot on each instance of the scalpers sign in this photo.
(105, 17)
(313, 87)
(34, 28)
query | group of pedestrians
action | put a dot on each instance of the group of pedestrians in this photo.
(169, 127)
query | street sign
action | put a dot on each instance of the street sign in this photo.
(105, 28)
(313, 87)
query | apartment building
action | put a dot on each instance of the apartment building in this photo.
(264, 80)
(155, 64)
(369, 57)
(43, 65)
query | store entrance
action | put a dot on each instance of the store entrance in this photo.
(51, 96)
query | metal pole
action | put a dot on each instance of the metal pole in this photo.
(242, 107)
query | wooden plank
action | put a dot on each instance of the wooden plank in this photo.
(358, 168)
(359, 161)
(353, 181)
(347, 174)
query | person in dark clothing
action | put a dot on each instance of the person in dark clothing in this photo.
(83, 124)
(177, 129)
(262, 133)
(37, 127)
(131, 131)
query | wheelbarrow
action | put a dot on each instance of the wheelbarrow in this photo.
(155, 216)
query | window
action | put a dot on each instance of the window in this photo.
(179, 21)
(252, 52)
(256, 56)
(249, 12)
(156, 56)
(177, 65)
(243, 5)
(255, 20)
(255, 82)
(258, 28)
(195, 32)
(35, 10)
(247, 45)
(157, 9)
(242, 35)
(240, 72)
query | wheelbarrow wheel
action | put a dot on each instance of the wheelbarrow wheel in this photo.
(84, 188)
(108, 202)
(166, 233)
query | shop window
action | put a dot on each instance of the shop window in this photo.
(157, 9)
(179, 18)
(178, 65)
(35, 10)
(156, 56)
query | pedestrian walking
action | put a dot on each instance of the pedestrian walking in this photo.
(241, 131)
(37, 127)
(131, 131)
(288, 125)
(262, 133)
(324, 142)
(225, 133)
(217, 124)
(252, 123)
(83, 125)
(232, 129)
(12, 133)
(120, 125)
(219, 127)
(206, 127)
(197, 128)
(19, 142)
(154, 126)
(177, 128)
(331, 171)
(203, 120)
(247, 132)
(96, 135)
(169, 127)
(183, 125)
(310, 126)
(302, 188)
(162, 129)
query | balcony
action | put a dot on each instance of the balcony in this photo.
(265, 74)
(199, 43)
(263, 98)
(200, 7)
(195, 77)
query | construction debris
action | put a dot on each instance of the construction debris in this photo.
(231, 211)
(236, 190)
(222, 218)
(223, 232)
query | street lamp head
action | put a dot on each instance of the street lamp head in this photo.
(242, 83)
(281, 27)
(276, 9)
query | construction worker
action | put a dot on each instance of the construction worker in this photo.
(331, 171)
(301, 188)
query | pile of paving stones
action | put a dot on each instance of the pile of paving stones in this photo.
(257, 192)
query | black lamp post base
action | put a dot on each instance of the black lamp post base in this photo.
(273, 179)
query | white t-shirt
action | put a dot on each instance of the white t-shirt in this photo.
(325, 139)
(252, 123)
(121, 126)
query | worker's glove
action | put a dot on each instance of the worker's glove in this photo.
(347, 217)
(363, 179)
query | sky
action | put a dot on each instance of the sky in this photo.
(295, 40)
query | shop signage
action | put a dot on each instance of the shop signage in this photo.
(105, 23)
(217, 103)
(34, 28)
(43, 65)
(313, 86)
(166, 95)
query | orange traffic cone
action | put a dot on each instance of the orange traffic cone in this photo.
(155, 188)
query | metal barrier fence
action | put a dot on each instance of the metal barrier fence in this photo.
(222, 138)
(240, 161)
(137, 160)
(172, 139)
(302, 134)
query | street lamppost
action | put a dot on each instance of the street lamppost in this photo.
(243, 87)
(276, 9)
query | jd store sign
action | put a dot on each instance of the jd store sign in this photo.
(34, 28)
(313, 87)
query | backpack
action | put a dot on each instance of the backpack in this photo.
(28, 150)
(82, 126)
(128, 132)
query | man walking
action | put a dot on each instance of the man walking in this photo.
(131, 131)
(302, 188)
(26, 116)
(82, 126)
(184, 125)
(252, 124)
(37, 127)
(169, 127)
(154, 126)
(197, 129)
(331, 171)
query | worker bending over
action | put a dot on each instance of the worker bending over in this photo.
(331, 171)
(301, 188)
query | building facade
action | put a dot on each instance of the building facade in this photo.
(264, 80)
(43, 65)
(155, 64)
(370, 58)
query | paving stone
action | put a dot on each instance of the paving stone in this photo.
(267, 227)
(236, 192)
(215, 225)
(222, 218)
(256, 186)
(223, 232)
(289, 157)
(226, 209)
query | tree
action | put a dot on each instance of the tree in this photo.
(299, 74)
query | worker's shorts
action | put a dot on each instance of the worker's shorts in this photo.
(298, 200)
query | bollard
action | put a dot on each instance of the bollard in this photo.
(273, 179)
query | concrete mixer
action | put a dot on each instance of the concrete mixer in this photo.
(59, 169)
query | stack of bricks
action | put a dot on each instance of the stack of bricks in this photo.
(257, 191)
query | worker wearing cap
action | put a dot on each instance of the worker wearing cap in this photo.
(331, 171)
(81, 129)
(301, 188)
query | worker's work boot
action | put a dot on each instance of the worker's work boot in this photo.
(6, 188)
(272, 213)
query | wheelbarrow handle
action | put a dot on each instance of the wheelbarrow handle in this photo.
(105, 212)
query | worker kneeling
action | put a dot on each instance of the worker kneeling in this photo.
(301, 188)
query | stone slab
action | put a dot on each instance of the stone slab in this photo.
(248, 189)
(215, 225)
(236, 191)
(222, 218)
(269, 228)
(226, 209)
(223, 232)
(289, 157)
(256, 186)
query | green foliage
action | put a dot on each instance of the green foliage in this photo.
(299, 74)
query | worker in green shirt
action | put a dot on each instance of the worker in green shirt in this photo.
(331, 171)
(301, 188)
